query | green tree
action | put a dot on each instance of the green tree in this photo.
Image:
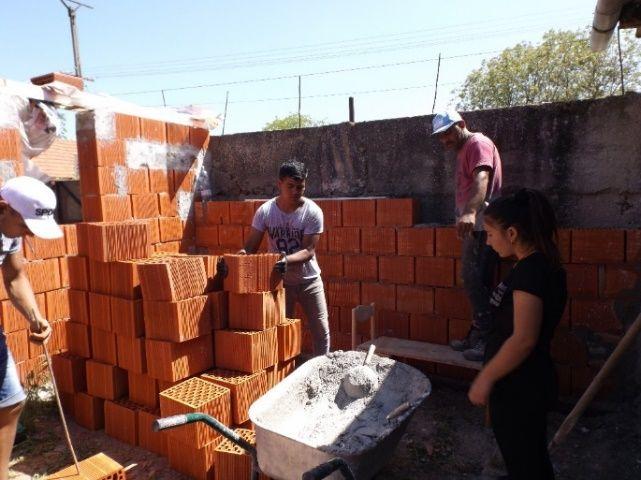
(560, 68)
(291, 121)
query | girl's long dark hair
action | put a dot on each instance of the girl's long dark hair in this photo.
(531, 214)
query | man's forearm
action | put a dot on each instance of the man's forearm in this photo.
(23, 298)
(475, 203)
(301, 256)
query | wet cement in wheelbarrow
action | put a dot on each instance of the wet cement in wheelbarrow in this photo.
(319, 412)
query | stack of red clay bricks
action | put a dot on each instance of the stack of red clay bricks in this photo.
(139, 168)
(48, 272)
(372, 251)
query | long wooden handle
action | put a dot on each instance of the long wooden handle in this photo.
(62, 413)
(569, 422)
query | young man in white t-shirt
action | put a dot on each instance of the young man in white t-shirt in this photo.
(294, 224)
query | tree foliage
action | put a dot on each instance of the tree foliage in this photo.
(560, 68)
(291, 121)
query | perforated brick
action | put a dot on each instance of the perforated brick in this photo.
(131, 354)
(98, 467)
(100, 311)
(78, 273)
(70, 372)
(219, 307)
(127, 317)
(113, 241)
(121, 420)
(196, 395)
(244, 389)
(242, 275)
(171, 362)
(143, 389)
(125, 281)
(232, 461)
(89, 411)
(290, 338)
(196, 463)
(246, 351)
(177, 321)
(106, 381)
(256, 311)
(148, 439)
(172, 278)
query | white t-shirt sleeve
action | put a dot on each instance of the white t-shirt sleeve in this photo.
(314, 222)
(16, 245)
(259, 218)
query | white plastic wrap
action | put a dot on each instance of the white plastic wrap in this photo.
(38, 125)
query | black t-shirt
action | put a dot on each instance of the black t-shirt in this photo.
(536, 276)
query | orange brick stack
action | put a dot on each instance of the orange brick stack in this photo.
(244, 389)
(256, 307)
(195, 395)
(232, 461)
(47, 268)
(139, 168)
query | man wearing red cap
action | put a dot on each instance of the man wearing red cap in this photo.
(26, 208)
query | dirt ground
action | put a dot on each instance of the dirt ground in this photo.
(445, 440)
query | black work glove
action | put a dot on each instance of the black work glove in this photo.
(281, 265)
(221, 268)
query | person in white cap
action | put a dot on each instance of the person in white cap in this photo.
(479, 178)
(26, 208)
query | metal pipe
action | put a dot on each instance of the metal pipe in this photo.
(606, 17)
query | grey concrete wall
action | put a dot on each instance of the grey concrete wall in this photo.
(585, 155)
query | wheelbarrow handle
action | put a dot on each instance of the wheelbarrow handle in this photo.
(178, 420)
(326, 469)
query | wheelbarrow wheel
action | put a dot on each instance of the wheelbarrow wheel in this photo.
(324, 470)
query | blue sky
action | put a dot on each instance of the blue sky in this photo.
(131, 46)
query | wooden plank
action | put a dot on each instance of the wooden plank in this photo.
(428, 352)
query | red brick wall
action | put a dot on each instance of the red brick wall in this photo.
(413, 274)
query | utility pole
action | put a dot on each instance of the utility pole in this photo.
(299, 101)
(74, 34)
(225, 114)
(438, 71)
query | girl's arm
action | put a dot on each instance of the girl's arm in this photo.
(528, 316)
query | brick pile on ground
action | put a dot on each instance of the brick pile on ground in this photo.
(145, 314)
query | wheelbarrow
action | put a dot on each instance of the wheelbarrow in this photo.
(317, 473)
(284, 419)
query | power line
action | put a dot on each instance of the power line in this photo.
(327, 95)
(320, 73)
(362, 40)
(311, 74)
(323, 55)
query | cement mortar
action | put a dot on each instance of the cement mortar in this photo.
(319, 413)
(360, 381)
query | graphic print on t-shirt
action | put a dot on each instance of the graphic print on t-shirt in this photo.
(286, 238)
(497, 295)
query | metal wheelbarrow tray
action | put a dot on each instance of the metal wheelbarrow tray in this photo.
(289, 417)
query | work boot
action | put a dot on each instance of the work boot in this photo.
(477, 352)
(460, 345)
